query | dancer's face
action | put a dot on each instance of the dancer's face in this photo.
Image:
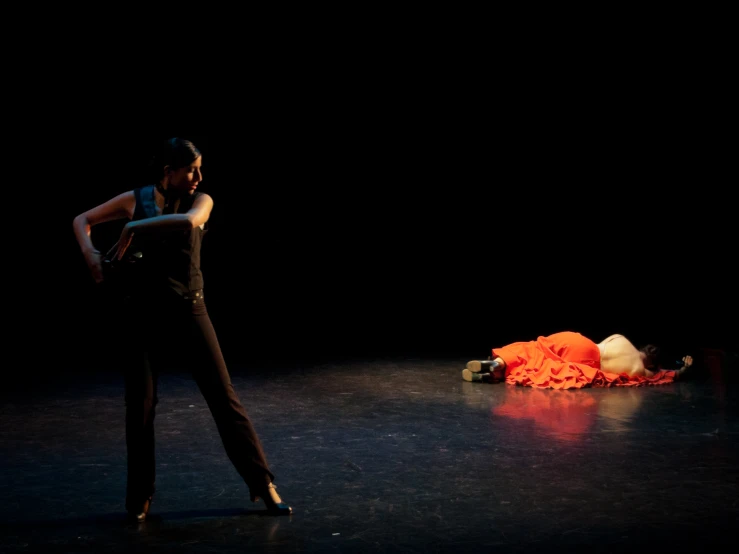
(186, 179)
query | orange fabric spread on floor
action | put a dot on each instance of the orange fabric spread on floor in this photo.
(565, 360)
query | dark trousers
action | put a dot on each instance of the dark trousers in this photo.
(182, 324)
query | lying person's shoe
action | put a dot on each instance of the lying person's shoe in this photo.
(273, 502)
(476, 377)
(482, 366)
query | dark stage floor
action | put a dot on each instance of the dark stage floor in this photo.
(380, 456)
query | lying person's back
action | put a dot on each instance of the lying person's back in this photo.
(618, 355)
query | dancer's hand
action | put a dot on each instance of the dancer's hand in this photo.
(123, 242)
(687, 362)
(95, 265)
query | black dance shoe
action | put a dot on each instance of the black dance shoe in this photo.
(273, 502)
(138, 515)
(476, 377)
(482, 366)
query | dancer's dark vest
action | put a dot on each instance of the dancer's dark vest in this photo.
(164, 261)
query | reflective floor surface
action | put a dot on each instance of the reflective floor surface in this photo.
(380, 456)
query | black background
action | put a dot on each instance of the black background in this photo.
(416, 201)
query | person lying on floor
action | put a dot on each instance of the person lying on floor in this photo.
(569, 360)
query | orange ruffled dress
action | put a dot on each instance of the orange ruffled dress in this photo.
(566, 360)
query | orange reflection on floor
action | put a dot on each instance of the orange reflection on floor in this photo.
(569, 414)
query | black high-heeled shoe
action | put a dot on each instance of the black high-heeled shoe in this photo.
(482, 366)
(273, 502)
(473, 377)
(138, 514)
